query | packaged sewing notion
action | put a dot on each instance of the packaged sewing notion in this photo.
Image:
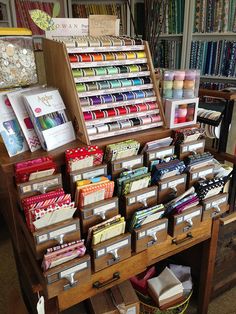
(47, 112)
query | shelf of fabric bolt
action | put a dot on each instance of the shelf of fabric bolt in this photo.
(31, 277)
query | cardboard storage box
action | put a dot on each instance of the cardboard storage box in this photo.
(119, 299)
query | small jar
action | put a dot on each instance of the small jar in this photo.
(177, 84)
(179, 75)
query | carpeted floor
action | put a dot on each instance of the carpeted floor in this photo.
(11, 302)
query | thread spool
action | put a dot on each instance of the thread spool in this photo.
(190, 75)
(188, 93)
(179, 75)
(178, 84)
(111, 112)
(189, 84)
(167, 93)
(177, 93)
(167, 84)
(182, 113)
(168, 75)
(88, 116)
(152, 105)
(155, 118)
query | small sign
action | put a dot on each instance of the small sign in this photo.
(100, 25)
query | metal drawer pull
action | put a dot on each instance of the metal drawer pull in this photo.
(60, 238)
(217, 208)
(72, 281)
(189, 222)
(144, 202)
(188, 237)
(102, 215)
(43, 189)
(98, 284)
(115, 254)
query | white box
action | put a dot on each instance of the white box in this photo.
(181, 113)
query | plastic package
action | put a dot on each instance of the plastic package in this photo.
(17, 62)
(180, 84)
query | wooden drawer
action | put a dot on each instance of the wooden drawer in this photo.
(150, 234)
(215, 206)
(39, 186)
(67, 275)
(111, 251)
(174, 245)
(186, 221)
(136, 200)
(206, 172)
(62, 232)
(158, 153)
(129, 163)
(174, 185)
(187, 149)
(86, 173)
(97, 212)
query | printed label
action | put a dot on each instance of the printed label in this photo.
(46, 184)
(131, 163)
(94, 173)
(194, 214)
(104, 208)
(179, 220)
(139, 184)
(41, 174)
(117, 245)
(77, 177)
(164, 186)
(205, 173)
(82, 163)
(208, 206)
(131, 200)
(60, 231)
(26, 189)
(172, 184)
(42, 238)
(94, 197)
(146, 195)
(220, 201)
(195, 146)
(155, 229)
(141, 234)
(164, 153)
(151, 156)
(100, 252)
(73, 269)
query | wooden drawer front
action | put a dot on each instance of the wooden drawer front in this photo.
(39, 186)
(158, 153)
(143, 198)
(95, 213)
(206, 172)
(86, 173)
(67, 275)
(215, 206)
(111, 251)
(150, 234)
(174, 185)
(129, 163)
(62, 232)
(190, 148)
(186, 221)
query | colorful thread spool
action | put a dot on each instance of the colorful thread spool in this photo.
(189, 84)
(168, 75)
(152, 105)
(167, 84)
(155, 118)
(177, 93)
(188, 93)
(179, 75)
(140, 54)
(111, 112)
(190, 75)
(167, 93)
(88, 116)
(178, 84)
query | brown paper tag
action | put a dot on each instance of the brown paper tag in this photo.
(100, 25)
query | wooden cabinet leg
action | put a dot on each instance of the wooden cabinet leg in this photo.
(207, 268)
